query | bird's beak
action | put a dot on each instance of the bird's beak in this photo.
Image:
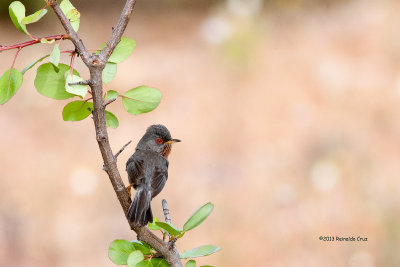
(173, 141)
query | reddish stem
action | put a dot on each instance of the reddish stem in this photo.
(32, 42)
(71, 65)
(12, 66)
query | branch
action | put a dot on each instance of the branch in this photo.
(122, 149)
(118, 30)
(73, 36)
(96, 64)
(32, 42)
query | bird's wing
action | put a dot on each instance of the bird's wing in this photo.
(135, 169)
(160, 176)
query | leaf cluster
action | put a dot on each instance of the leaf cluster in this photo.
(138, 254)
(60, 81)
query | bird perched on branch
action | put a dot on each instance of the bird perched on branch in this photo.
(148, 171)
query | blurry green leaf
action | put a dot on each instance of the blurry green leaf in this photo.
(170, 228)
(122, 51)
(33, 64)
(206, 266)
(55, 55)
(111, 94)
(146, 263)
(77, 110)
(9, 84)
(134, 258)
(17, 12)
(144, 248)
(198, 217)
(119, 251)
(71, 13)
(76, 89)
(109, 72)
(152, 225)
(191, 263)
(45, 41)
(141, 99)
(159, 262)
(200, 251)
(50, 81)
(34, 17)
(111, 120)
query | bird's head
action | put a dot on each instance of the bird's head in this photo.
(157, 138)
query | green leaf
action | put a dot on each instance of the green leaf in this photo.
(146, 263)
(119, 251)
(153, 225)
(55, 56)
(34, 17)
(198, 217)
(109, 72)
(122, 51)
(170, 228)
(76, 89)
(141, 99)
(191, 263)
(200, 251)
(44, 41)
(145, 249)
(77, 110)
(206, 266)
(17, 12)
(71, 13)
(134, 258)
(33, 64)
(50, 81)
(111, 120)
(9, 84)
(111, 94)
(158, 262)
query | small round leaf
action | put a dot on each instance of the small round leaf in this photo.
(77, 110)
(123, 50)
(119, 251)
(111, 94)
(34, 17)
(200, 251)
(50, 81)
(9, 85)
(109, 72)
(198, 217)
(111, 120)
(191, 263)
(134, 258)
(141, 99)
(17, 12)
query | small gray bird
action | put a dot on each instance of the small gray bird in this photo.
(148, 171)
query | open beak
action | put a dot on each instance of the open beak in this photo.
(173, 141)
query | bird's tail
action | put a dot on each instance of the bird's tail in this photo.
(140, 209)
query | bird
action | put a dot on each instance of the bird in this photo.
(147, 171)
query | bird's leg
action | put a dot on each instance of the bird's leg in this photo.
(129, 188)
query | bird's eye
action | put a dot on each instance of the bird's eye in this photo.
(159, 141)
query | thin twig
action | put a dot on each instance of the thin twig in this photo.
(122, 149)
(109, 101)
(86, 82)
(166, 211)
(32, 42)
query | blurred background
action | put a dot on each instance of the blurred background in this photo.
(289, 115)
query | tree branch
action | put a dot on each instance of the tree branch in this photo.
(118, 30)
(32, 42)
(96, 64)
(122, 149)
(73, 36)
